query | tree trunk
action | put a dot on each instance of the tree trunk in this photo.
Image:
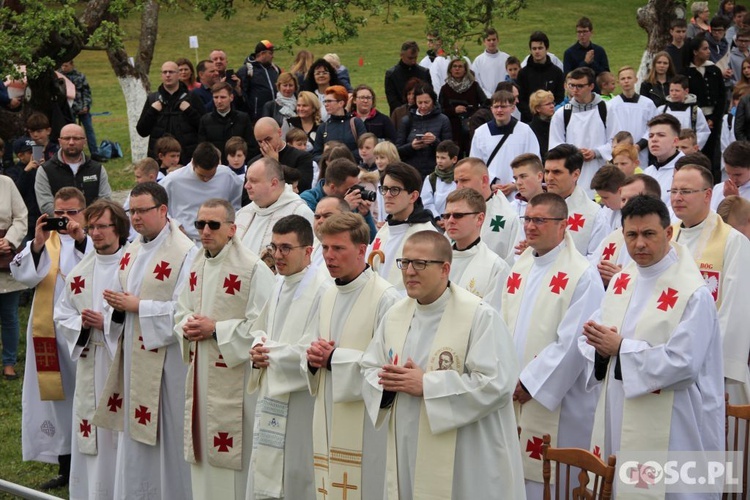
(134, 80)
(655, 18)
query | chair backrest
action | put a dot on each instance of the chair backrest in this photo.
(738, 437)
(583, 462)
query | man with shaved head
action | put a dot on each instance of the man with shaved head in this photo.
(421, 370)
(272, 198)
(70, 167)
(271, 144)
(171, 110)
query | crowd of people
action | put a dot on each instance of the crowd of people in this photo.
(304, 297)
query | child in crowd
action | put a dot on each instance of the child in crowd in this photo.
(297, 138)
(682, 105)
(625, 157)
(688, 141)
(365, 144)
(39, 129)
(385, 153)
(292, 177)
(236, 151)
(168, 150)
(439, 184)
(24, 175)
(622, 137)
(607, 182)
(727, 128)
(606, 83)
(146, 170)
(512, 67)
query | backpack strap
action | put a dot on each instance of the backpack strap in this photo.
(693, 116)
(433, 182)
(500, 144)
(568, 113)
(354, 129)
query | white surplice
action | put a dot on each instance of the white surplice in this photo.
(478, 404)
(585, 225)
(344, 379)
(502, 227)
(480, 271)
(555, 377)
(234, 342)
(46, 425)
(91, 475)
(145, 471)
(283, 376)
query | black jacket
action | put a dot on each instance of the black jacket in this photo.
(396, 78)
(535, 76)
(217, 129)
(182, 125)
(435, 122)
(87, 178)
(709, 90)
(258, 85)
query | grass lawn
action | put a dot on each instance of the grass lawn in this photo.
(615, 29)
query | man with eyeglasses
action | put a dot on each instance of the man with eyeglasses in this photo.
(475, 267)
(583, 123)
(50, 373)
(347, 448)
(550, 292)
(281, 464)
(70, 167)
(721, 253)
(272, 198)
(420, 379)
(82, 318)
(227, 288)
(148, 376)
(400, 189)
(500, 140)
(172, 110)
(584, 53)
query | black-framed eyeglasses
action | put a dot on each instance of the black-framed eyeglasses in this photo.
(97, 227)
(457, 215)
(71, 213)
(416, 264)
(578, 85)
(393, 191)
(213, 225)
(140, 211)
(283, 249)
(538, 221)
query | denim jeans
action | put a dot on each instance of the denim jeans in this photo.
(88, 127)
(9, 323)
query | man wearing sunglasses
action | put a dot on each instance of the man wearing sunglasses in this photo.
(227, 288)
(47, 403)
(284, 469)
(421, 371)
(551, 291)
(475, 267)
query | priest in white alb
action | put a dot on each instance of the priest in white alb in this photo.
(229, 286)
(81, 317)
(144, 395)
(475, 267)
(440, 374)
(552, 289)
(655, 348)
(282, 461)
(50, 373)
(348, 453)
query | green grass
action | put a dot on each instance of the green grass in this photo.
(615, 29)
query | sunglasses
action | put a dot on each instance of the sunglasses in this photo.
(213, 225)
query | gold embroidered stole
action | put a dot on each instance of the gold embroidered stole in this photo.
(271, 412)
(226, 385)
(147, 365)
(551, 302)
(646, 420)
(478, 273)
(338, 457)
(84, 398)
(433, 475)
(46, 356)
(709, 252)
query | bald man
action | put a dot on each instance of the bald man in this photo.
(271, 144)
(70, 167)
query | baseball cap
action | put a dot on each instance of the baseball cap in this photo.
(263, 45)
(23, 144)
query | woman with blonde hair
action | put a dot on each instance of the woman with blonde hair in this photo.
(301, 65)
(542, 106)
(656, 84)
(285, 104)
(307, 118)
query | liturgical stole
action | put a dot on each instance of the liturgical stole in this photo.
(476, 276)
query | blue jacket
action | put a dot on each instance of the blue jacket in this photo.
(575, 57)
(314, 195)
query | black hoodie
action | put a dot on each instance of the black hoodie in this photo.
(535, 76)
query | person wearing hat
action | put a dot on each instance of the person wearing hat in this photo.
(24, 175)
(258, 76)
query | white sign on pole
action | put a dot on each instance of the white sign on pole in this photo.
(193, 41)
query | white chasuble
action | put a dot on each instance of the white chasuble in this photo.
(442, 444)
(501, 227)
(584, 226)
(545, 303)
(281, 463)
(480, 271)
(46, 424)
(93, 456)
(390, 241)
(231, 289)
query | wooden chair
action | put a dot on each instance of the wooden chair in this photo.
(739, 418)
(604, 474)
